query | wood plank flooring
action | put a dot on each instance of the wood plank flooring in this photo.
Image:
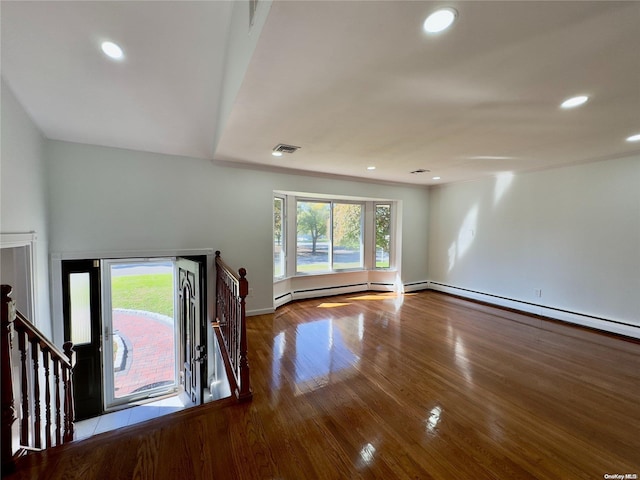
(425, 386)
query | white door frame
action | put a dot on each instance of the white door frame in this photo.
(26, 287)
(110, 400)
(56, 276)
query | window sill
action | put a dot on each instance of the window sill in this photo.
(339, 272)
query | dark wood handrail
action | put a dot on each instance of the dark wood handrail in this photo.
(230, 326)
(41, 375)
(22, 324)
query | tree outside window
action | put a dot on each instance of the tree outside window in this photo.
(313, 250)
(347, 236)
(383, 235)
(278, 238)
(330, 235)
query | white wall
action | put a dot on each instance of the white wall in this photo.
(242, 41)
(23, 206)
(107, 200)
(572, 232)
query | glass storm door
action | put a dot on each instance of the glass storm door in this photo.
(140, 331)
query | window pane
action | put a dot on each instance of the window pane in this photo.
(143, 328)
(278, 238)
(79, 285)
(312, 250)
(383, 235)
(347, 236)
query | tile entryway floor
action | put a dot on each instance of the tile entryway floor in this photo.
(129, 416)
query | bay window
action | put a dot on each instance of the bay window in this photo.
(331, 235)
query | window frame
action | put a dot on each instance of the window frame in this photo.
(283, 236)
(329, 234)
(392, 235)
(363, 210)
(367, 233)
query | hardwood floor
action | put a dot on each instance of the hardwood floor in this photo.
(375, 386)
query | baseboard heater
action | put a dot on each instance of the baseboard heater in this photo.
(415, 286)
(344, 289)
(282, 299)
(317, 293)
(331, 290)
(584, 319)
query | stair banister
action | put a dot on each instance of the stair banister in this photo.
(37, 392)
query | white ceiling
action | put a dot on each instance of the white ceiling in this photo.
(355, 84)
(163, 97)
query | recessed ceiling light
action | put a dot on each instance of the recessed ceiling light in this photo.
(112, 50)
(634, 138)
(574, 101)
(436, 178)
(276, 153)
(371, 168)
(439, 20)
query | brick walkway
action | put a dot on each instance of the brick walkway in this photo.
(150, 352)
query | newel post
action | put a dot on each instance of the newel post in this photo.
(217, 314)
(245, 385)
(69, 408)
(8, 406)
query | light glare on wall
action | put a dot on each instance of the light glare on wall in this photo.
(634, 138)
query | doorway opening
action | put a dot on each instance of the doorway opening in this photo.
(140, 331)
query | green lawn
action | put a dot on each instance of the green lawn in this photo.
(149, 292)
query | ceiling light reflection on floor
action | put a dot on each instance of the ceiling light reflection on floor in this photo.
(367, 453)
(433, 420)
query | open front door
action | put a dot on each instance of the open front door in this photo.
(193, 341)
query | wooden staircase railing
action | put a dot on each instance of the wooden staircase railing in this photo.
(231, 327)
(36, 387)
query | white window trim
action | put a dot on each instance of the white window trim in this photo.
(384, 277)
(284, 240)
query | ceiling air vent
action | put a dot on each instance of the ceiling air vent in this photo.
(284, 148)
(420, 170)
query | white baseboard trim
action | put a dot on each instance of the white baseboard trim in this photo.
(417, 286)
(282, 300)
(604, 324)
(382, 287)
(391, 287)
(341, 290)
(260, 311)
(327, 292)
